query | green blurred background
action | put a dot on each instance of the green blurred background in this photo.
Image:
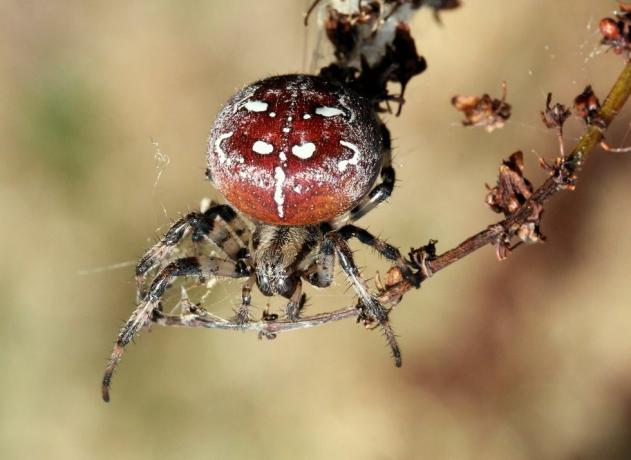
(529, 358)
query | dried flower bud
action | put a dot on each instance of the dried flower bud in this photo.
(609, 29)
(555, 116)
(483, 110)
(587, 107)
(512, 189)
(616, 31)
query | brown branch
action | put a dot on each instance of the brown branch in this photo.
(571, 165)
(427, 264)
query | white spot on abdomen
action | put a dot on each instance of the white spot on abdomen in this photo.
(218, 150)
(303, 151)
(351, 111)
(262, 148)
(343, 164)
(326, 111)
(279, 198)
(306, 116)
(255, 106)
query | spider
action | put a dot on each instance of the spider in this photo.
(298, 155)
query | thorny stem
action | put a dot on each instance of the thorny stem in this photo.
(592, 137)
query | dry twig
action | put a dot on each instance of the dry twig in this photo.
(424, 259)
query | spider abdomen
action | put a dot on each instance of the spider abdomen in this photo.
(295, 150)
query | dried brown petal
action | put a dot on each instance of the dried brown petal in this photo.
(512, 189)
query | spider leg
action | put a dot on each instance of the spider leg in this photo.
(386, 250)
(202, 267)
(211, 225)
(242, 314)
(296, 302)
(370, 306)
(320, 272)
(383, 190)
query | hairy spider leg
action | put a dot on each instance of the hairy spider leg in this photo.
(383, 190)
(242, 313)
(320, 272)
(386, 250)
(219, 224)
(296, 302)
(202, 267)
(370, 307)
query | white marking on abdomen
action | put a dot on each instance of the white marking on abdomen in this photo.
(343, 164)
(306, 116)
(351, 111)
(255, 106)
(303, 151)
(279, 198)
(220, 153)
(326, 111)
(262, 148)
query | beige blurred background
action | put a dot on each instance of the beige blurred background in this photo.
(525, 359)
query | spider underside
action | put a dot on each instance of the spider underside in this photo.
(274, 258)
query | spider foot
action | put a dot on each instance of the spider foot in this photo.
(293, 309)
(242, 315)
(266, 335)
(372, 314)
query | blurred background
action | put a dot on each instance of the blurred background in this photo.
(106, 107)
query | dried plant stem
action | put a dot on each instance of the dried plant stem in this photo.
(569, 167)
(614, 103)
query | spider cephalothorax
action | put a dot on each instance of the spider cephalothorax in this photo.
(298, 154)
